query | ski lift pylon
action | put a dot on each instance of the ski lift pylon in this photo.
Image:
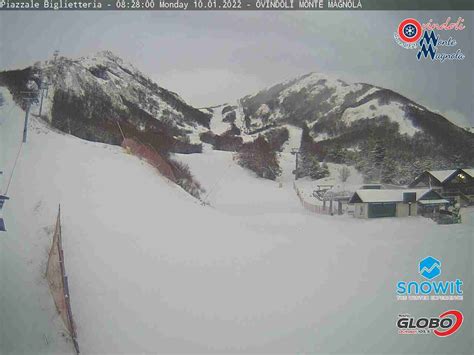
(2, 223)
(2, 200)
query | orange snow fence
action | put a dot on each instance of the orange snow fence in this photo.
(150, 155)
(58, 284)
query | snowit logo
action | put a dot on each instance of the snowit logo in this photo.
(430, 289)
(424, 38)
(430, 268)
(444, 325)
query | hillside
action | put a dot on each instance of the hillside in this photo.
(362, 125)
(88, 97)
(151, 270)
(385, 135)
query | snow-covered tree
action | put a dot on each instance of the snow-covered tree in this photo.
(259, 157)
(310, 166)
(344, 173)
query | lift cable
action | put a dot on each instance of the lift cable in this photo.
(13, 169)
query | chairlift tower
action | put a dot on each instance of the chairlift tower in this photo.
(44, 86)
(296, 152)
(55, 55)
(2, 223)
(29, 97)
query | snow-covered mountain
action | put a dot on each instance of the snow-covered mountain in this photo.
(87, 97)
(346, 121)
(304, 99)
(331, 106)
(151, 270)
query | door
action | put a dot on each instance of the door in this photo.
(385, 209)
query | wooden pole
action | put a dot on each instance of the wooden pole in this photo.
(25, 128)
(44, 87)
(120, 128)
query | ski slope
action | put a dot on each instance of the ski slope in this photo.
(151, 270)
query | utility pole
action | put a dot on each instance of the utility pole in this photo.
(43, 87)
(121, 132)
(55, 55)
(47, 79)
(25, 128)
(30, 97)
(296, 152)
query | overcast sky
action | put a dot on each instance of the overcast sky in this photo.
(214, 57)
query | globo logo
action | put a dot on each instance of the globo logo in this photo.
(444, 325)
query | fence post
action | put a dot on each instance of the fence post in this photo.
(66, 314)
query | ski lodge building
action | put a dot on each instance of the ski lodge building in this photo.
(370, 203)
(455, 185)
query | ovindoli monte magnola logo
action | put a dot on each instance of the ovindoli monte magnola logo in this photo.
(427, 41)
(430, 289)
(444, 325)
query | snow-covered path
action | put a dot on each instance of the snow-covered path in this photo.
(237, 191)
(217, 124)
(152, 270)
(287, 156)
(28, 320)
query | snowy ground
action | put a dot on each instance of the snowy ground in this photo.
(306, 186)
(152, 270)
(28, 320)
(217, 124)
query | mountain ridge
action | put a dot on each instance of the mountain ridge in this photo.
(90, 96)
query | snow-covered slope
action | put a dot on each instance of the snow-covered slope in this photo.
(316, 96)
(394, 111)
(316, 83)
(89, 97)
(122, 84)
(153, 271)
(28, 320)
(345, 119)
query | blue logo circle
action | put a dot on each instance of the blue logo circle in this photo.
(410, 30)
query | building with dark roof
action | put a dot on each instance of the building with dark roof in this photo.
(456, 185)
(395, 203)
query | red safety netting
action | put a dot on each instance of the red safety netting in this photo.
(149, 154)
(58, 283)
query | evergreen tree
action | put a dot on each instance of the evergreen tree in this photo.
(310, 166)
(378, 153)
(306, 140)
(336, 154)
(259, 157)
(344, 173)
(247, 122)
(388, 171)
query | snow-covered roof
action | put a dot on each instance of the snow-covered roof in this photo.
(387, 195)
(470, 172)
(441, 175)
(441, 201)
